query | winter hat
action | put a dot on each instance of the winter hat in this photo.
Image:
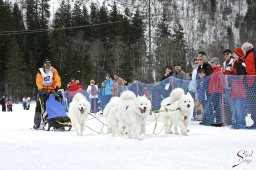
(202, 53)
(215, 60)
(227, 51)
(177, 64)
(46, 60)
(239, 52)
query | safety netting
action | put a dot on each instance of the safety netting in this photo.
(220, 100)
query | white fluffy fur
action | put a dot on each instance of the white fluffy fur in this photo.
(78, 112)
(131, 114)
(174, 96)
(178, 110)
(110, 113)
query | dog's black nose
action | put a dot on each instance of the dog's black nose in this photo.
(188, 105)
(145, 108)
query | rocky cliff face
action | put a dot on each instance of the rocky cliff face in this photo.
(211, 24)
(207, 24)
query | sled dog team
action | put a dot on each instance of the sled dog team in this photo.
(126, 115)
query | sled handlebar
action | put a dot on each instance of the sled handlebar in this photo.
(55, 89)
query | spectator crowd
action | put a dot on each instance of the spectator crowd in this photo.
(213, 85)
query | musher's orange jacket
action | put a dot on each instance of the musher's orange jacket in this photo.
(56, 81)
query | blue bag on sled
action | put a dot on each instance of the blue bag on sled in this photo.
(56, 115)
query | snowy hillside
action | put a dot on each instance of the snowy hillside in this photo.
(206, 148)
(201, 26)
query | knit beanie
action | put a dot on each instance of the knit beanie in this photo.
(239, 52)
(215, 60)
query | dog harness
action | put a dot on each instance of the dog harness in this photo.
(167, 110)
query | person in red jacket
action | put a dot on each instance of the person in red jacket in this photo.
(73, 86)
(249, 60)
(238, 91)
(216, 92)
(250, 67)
(9, 106)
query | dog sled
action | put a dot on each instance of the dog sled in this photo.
(54, 115)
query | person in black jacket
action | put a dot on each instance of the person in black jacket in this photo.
(168, 72)
(2, 102)
(238, 90)
(203, 63)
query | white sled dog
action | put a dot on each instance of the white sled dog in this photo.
(78, 112)
(110, 113)
(177, 111)
(131, 114)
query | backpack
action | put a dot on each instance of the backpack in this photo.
(93, 90)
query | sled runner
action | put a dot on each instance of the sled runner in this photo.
(54, 115)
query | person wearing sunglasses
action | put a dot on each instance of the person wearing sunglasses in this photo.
(228, 63)
(203, 63)
(228, 70)
(47, 81)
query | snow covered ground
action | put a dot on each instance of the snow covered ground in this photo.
(206, 148)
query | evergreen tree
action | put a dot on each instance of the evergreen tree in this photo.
(77, 17)
(162, 29)
(43, 12)
(178, 47)
(37, 44)
(86, 21)
(230, 37)
(44, 39)
(128, 29)
(17, 22)
(15, 75)
(117, 28)
(5, 17)
(94, 19)
(32, 16)
(163, 55)
(63, 17)
(61, 42)
(138, 48)
(103, 29)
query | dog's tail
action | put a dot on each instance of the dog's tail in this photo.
(113, 102)
(128, 95)
(176, 94)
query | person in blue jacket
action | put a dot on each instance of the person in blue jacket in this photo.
(107, 90)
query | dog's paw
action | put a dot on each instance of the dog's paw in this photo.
(168, 132)
(79, 133)
(140, 138)
(184, 133)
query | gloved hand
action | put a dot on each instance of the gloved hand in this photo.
(43, 92)
(57, 88)
(57, 96)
